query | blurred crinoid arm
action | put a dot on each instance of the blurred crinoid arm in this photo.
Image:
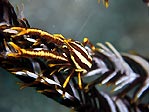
(9, 17)
(124, 71)
(105, 3)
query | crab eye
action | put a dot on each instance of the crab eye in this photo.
(64, 46)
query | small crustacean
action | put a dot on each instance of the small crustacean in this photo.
(36, 53)
(49, 63)
(72, 51)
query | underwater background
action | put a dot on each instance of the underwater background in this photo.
(125, 24)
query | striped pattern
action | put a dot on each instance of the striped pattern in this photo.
(56, 38)
(40, 53)
(79, 56)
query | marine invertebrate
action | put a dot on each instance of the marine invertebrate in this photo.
(50, 63)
